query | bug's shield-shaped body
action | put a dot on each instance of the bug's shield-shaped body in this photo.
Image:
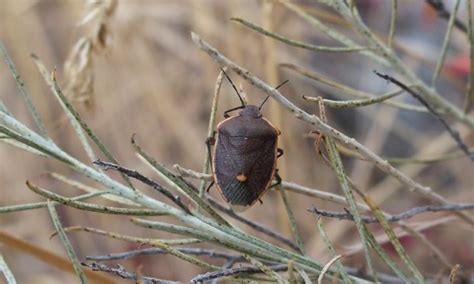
(245, 156)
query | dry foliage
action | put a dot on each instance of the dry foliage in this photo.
(152, 80)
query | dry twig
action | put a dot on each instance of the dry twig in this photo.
(395, 218)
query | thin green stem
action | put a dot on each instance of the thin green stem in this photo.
(338, 167)
(44, 146)
(93, 207)
(393, 22)
(67, 244)
(6, 271)
(470, 84)
(75, 119)
(385, 257)
(37, 205)
(75, 124)
(332, 33)
(346, 89)
(180, 184)
(332, 250)
(265, 269)
(298, 43)
(242, 242)
(210, 130)
(445, 47)
(304, 276)
(83, 187)
(355, 103)
(392, 236)
(190, 232)
(4, 108)
(442, 105)
(23, 91)
(9, 140)
(152, 242)
(326, 268)
(291, 219)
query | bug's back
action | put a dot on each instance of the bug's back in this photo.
(245, 158)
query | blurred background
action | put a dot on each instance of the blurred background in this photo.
(131, 67)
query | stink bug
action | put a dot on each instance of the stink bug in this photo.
(245, 154)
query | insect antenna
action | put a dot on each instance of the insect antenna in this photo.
(265, 100)
(284, 82)
(233, 86)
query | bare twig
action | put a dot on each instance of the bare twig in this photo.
(153, 242)
(120, 271)
(136, 175)
(454, 133)
(470, 84)
(438, 5)
(395, 218)
(444, 48)
(235, 271)
(151, 251)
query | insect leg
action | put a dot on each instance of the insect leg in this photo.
(210, 185)
(210, 141)
(277, 178)
(226, 113)
(279, 152)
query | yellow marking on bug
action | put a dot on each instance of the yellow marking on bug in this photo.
(241, 178)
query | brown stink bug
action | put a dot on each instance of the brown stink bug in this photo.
(245, 154)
